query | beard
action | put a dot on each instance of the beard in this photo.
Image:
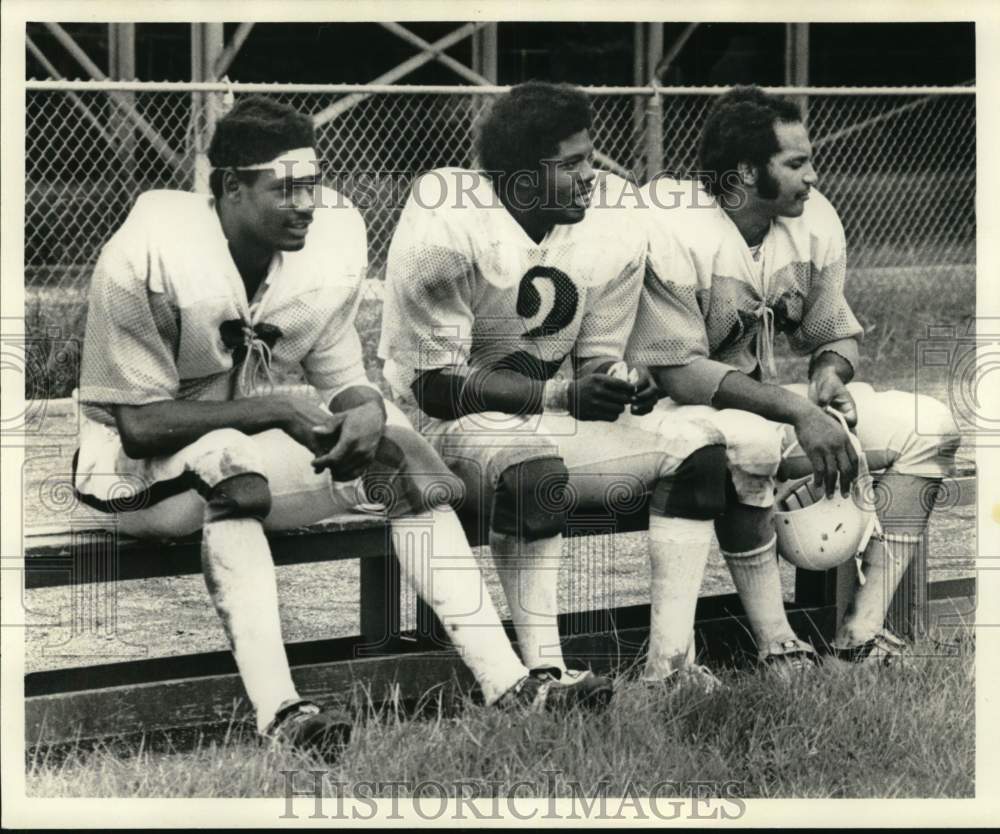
(767, 185)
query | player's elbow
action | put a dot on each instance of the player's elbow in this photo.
(438, 394)
(678, 383)
(136, 445)
(136, 430)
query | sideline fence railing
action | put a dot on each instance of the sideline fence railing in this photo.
(898, 162)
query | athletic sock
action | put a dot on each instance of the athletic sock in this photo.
(529, 573)
(448, 579)
(883, 565)
(239, 573)
(755, 574)
(678, 552)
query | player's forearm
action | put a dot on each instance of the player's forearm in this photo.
(355, 397)
(737, 390)
(447, 395)
(593, 365)
(165, 427)
(695, 383)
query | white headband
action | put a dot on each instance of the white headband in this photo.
(300, 163)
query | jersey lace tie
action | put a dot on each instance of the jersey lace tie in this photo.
(258, 357)
(765, 340)
(251, 346)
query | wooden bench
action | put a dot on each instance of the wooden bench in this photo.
(201, 689)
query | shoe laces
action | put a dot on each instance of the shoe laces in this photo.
(291, 712)
(794, 653)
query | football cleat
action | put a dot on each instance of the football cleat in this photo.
(548, 689)
(306, 726)
(885, 649)
(788, 659)
(692, 676)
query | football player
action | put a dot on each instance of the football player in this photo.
(201, 307)
(495, 278)
(751, 251)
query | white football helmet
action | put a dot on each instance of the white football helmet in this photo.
(818, 533)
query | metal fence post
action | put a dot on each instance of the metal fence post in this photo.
(654, 134)
(797, 63)
(207, 44)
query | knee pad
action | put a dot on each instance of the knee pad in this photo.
(240, 496)
(697, 489)
(408, 477)
(530, 499)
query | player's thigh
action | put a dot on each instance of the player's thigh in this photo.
(406, 466)
(616, 463)
(174, 487)
(753, 444)
(299, 496)
(887, 432)
(479, 448)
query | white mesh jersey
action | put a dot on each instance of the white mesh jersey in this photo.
(466, 287)
(706, 295)
(169, 317)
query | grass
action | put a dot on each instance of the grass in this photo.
(845, 732)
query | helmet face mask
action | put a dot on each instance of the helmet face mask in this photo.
(818, 533)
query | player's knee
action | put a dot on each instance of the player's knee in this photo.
(225, 453)
(934, 419)
(753, 443)
(932, 440)
(407, 476)
(697, 489)
(245, 495)
(530, 500)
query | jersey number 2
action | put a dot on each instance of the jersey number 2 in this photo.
(564, 300)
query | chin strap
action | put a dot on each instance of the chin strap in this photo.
(874, 527)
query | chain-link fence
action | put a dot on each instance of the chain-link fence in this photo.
(898, 163)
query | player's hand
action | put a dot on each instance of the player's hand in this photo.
(353, 442)
(830, 451)
(599, 397)
(826, 388)
(307, 422)
(646, 390)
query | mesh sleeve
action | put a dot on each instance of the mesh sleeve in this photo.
(336, 360)
(608, 321)
(669, 327)
(427, 317)
(128, 349)
(846, 349)
(827, 318)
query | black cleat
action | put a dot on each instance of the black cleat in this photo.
(788, 659)
(549, 689)
(883, 650)
(307, 726)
